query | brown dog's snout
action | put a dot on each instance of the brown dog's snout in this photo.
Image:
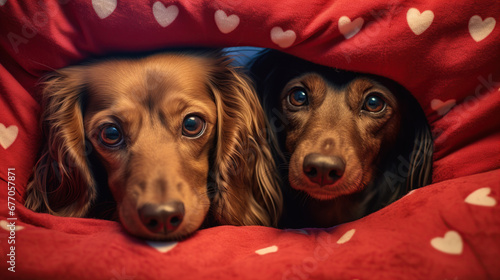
(322, 169)
(162, 218)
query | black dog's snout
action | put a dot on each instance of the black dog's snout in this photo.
(323, 170)
(162, 218)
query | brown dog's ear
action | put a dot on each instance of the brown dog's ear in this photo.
(62, 182)
(246, 190)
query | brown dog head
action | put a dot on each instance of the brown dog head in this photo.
(179, 138)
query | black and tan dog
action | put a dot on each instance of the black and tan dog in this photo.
(353, 142)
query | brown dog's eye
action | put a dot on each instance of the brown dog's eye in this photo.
(193, 126)
(298, 97)
(374, 103)
(111, 135)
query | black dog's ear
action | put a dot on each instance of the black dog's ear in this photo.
(420, 170)
(269, 72)
(262, 71)
(408, 165)
(62, 183)
(417, 134)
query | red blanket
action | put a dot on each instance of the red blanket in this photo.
(446, 53)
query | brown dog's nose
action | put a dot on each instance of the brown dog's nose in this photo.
(323, 170)
(162, 218)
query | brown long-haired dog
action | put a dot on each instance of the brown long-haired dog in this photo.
(178, 139)
(353, 142)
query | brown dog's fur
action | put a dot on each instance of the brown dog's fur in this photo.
(224, 176)
(376, 157)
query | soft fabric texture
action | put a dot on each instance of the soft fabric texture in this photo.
(446, 53)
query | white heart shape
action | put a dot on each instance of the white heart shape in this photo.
(226, 24)
(165, 15)
(2, 2)
(162, 246)
(410, 192)
(267, 250)
(451, 243)
(8, 135)
(5, 225)
(480, 197)
(104, 8)
(480, 29)
(442, 107)
(346, 237)
(348, 28)
(419, 22)
(282, 38)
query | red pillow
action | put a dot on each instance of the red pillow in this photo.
(445, 52)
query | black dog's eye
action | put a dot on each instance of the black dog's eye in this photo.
(374, 103)
(111, 135)
(298, 97)
(193, 126)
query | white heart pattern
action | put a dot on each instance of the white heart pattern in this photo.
(451, 243)
(104, 8)
(165, 15)
(267, 250)
(225, 23)
(161, 246)
(346, 237)
(348, 28)
(419, 22)
(5, 225)
(480, 197)
(442, 107)
(480, 29)
(8, 135)
(282, 38)
(410, 192)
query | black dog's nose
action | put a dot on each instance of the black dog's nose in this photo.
(162, 218)
(323, 170)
